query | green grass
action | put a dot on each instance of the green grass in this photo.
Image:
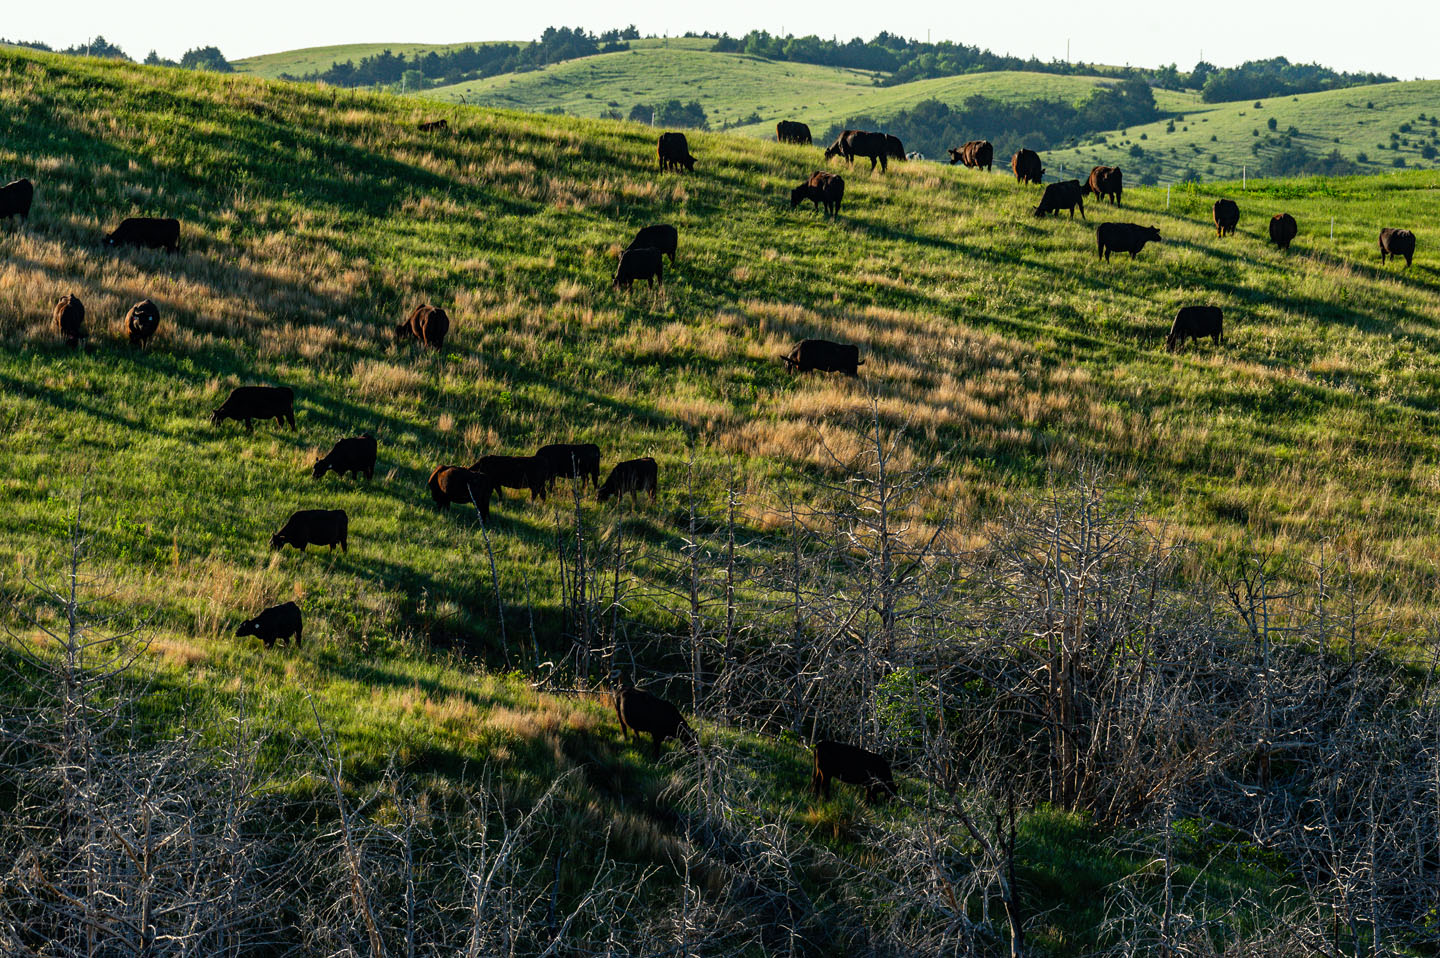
(319, 59)
(1353, 121)
(314, 218)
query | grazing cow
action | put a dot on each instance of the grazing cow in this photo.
(314, 527)
(1226, 215)
(644, 263)
(639, 711)
(977, 154)
(514, 472)
(426, 323)
(660, 236)
(453, 484)
(792, 131)
(1394, 242)
(277, 623)
(1065, 195)
(857, 766)
(571, 461)
(1124, 238)
(352, 456)
(147, 231)
(633, 476)
(827, 189)
(141, 322)
(1106, 181)
(434, 126)
(15, 199)
(1195, 322)
(1283, 230)
(1026, 164)
(821, 355)
(248, 403)
(875, 146)
(70, 320)
(674, 152)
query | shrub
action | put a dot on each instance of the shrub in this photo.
(1272, 123)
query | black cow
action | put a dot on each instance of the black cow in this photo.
(1026, 164)
(141, 322)
(824, 356)
(976, 155)
(1226, 215)
(277, 623)
(514, 472)
(827, 189)
(792, 131)
(426, 323)
(147, 231)
(1283, 230)
(248, 403)
(1195, 322)
(1065, 195)
(857, 766)
(70, 320)
(633, 476)
(1395, 242)
(1124, 238)
(1106, 181)
(639, 711)
(454, 484)
(314, 527)
(15, 199)
(674, 152)
(571, 461)
(434, 126)
(658, 236)
(875, 146)
(352, 456)
(645, 263)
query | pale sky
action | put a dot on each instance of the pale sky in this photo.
(1397, 37)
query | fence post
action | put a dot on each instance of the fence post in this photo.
(1242, 176)
(1167, 196)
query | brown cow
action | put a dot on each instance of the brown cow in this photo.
(70, 320)
(141, 322)
(1394, 243)
(821, 188)
(977, 154)
(1283, 230)
(453, 484)
(1026, 164)
(426, 323)
(1106, 181)
(1226, 215)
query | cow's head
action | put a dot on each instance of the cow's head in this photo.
(1152, 234)
(249, 627)
(799, 194)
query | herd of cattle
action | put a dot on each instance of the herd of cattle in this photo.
(642, 259)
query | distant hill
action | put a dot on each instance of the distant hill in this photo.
(297, 63)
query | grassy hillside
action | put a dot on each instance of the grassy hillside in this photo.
(996, 346)
(298, 63)
(1215, 140)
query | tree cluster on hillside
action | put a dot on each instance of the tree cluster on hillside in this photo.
(555, 45)
(198, 58)
(98, 47)
(671, 113)
(933, 126)
(1288, 158)
(1256, 79)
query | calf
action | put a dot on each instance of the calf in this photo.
(147, 231)
(660, 236)
(352, 456)
(1283, 230)
(1065, 195)
(452, 484)
(248, 403)
(1226, 215)
(141, 322)
(426, 323)
(854, 765)
(514, 472)
(434, 126)
(277, 623)
(674, 152)
(822, 188)
(633, 476)
(579, 461)
(644, 263)
(70, 320)
(1026, 164)
(824, 356)
(1395, 242)
(1124, 238)
(314, 527)
(1194, 322)
(639, 711)
(15, 199)
(1106, 181)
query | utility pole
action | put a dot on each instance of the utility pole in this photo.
(1067, 51)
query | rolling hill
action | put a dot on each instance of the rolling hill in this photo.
(297, 63)
(446, 660)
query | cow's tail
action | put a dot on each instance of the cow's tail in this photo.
(859, 362)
